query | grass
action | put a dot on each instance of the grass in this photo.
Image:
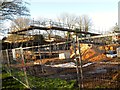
(8, 82)
(47, 83)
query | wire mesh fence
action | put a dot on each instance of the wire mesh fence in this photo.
(29, 64)
(61, 64)
(43, 66)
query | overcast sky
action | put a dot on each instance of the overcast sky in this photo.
(104, 13)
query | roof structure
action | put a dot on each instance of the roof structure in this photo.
(50, 28)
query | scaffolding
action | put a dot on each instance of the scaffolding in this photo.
(50, 59)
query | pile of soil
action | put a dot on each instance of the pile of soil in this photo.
(94, 54)
(97, 53)
(91, 53)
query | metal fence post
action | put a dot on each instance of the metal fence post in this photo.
(24, 68)
(77, 68)
(8, 61)
(80, 60)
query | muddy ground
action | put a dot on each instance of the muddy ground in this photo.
(104, 72)
(101, 75)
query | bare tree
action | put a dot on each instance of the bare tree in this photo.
(84, 23)
(17, 25)
(20, 23)
(11, 8)
(80, 23)
(46, 23)
(68, 19)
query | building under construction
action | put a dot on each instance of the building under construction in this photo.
(73, 57)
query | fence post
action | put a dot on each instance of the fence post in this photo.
(24, 68)
(80, 60)
(40, 56)
(8, 61)
(1, 62)
(77, 68)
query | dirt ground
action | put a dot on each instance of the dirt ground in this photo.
(96, 75)
(102, 75)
